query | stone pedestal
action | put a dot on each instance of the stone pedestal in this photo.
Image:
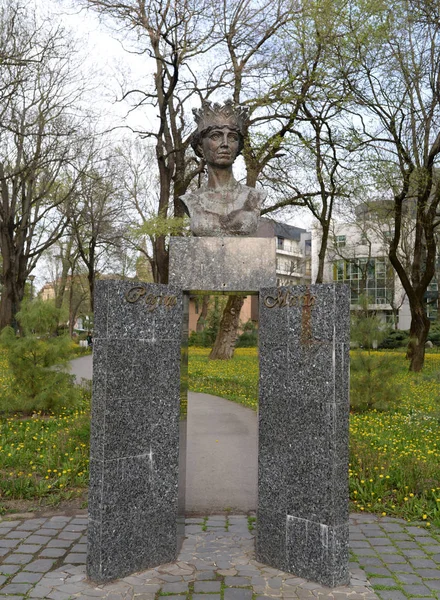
(136, 423)
(222, 264)
(303, 432)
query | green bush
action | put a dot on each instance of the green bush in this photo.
(249, 337)
(37, 359)
(372, 384)
(397, 338)
(372, 381)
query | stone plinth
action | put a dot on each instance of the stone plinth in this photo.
(136, 418)
(223, 264)
(303, 432)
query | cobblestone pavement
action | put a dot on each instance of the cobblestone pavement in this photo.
(45, 558)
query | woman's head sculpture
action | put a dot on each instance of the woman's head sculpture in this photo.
(222, 207)
(219, 116)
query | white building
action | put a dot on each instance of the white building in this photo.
(357, 254)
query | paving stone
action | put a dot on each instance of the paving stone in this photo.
(359, 544)
(29, 548)
(368, 551)
(237, 594)
(46, 532)
(408, 578)
(11, 524)
(60, 595)
(76, 557)
(423, 563)
(177, 587)
(27, 577)
(416, 589)
(3, 578)
(40, 591)
(9, 543)
(38, 539)
(204, 597)
(391, 595)
(207, 586)
(205, 575)
(69, 535)
(16, 588)
(15, 533)
(52, 552)
(237, 581)
(392, 559)
(377, 571)
(9, 569)
(18, 559)
(59, 543)
(433, 584)
(428, 573)
(402, 568)
(388, 581)
(41, 565)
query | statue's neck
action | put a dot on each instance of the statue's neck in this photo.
(219, 179)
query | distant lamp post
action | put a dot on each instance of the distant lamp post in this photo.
(31, 279)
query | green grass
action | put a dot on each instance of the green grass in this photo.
(394, 456)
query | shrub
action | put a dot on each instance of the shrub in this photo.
(37, 359)
(372, 384)
(397, 338)
(249, 337)
(372, 381)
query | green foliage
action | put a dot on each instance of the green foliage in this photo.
(434, 333)
(367, 330)
(372, 384)
(397, 338)
(158, 225)
(37, 359)
(249, 337)
(206, 338)
(372, 374)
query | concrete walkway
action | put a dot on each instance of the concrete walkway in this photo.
(222, 451)
(45, 558)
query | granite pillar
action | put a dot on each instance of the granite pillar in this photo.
(137, 418)
(302, 511)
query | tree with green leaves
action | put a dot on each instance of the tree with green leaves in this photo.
(391, 65)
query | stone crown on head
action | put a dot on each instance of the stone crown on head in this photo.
(213, 115)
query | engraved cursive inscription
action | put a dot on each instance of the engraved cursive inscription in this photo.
(152, 301)
(287, 298)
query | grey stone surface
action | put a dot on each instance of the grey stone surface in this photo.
(225, 264)
(134, 450)
(303, 432)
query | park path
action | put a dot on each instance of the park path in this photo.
(221, 471)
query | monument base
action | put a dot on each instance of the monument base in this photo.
(222, 264)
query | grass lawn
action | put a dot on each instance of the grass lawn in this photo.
(395, 456)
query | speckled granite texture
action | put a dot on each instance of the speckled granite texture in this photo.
(303, 432)
(134, 456)
(222, 264)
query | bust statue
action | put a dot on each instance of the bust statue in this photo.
(223, 207)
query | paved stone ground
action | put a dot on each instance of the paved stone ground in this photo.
(45, 558)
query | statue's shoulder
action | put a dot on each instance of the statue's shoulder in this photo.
(193, 199)
(254, 196)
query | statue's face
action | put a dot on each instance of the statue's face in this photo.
(220, 147)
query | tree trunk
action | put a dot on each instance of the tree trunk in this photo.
(201, 321)
(322, 251)
(227, 334)
(418, 335)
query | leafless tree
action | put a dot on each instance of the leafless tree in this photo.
(40, 148)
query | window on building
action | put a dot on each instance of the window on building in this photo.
(340, 241)
(364, 239)
(373, 277)
(280, 243)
